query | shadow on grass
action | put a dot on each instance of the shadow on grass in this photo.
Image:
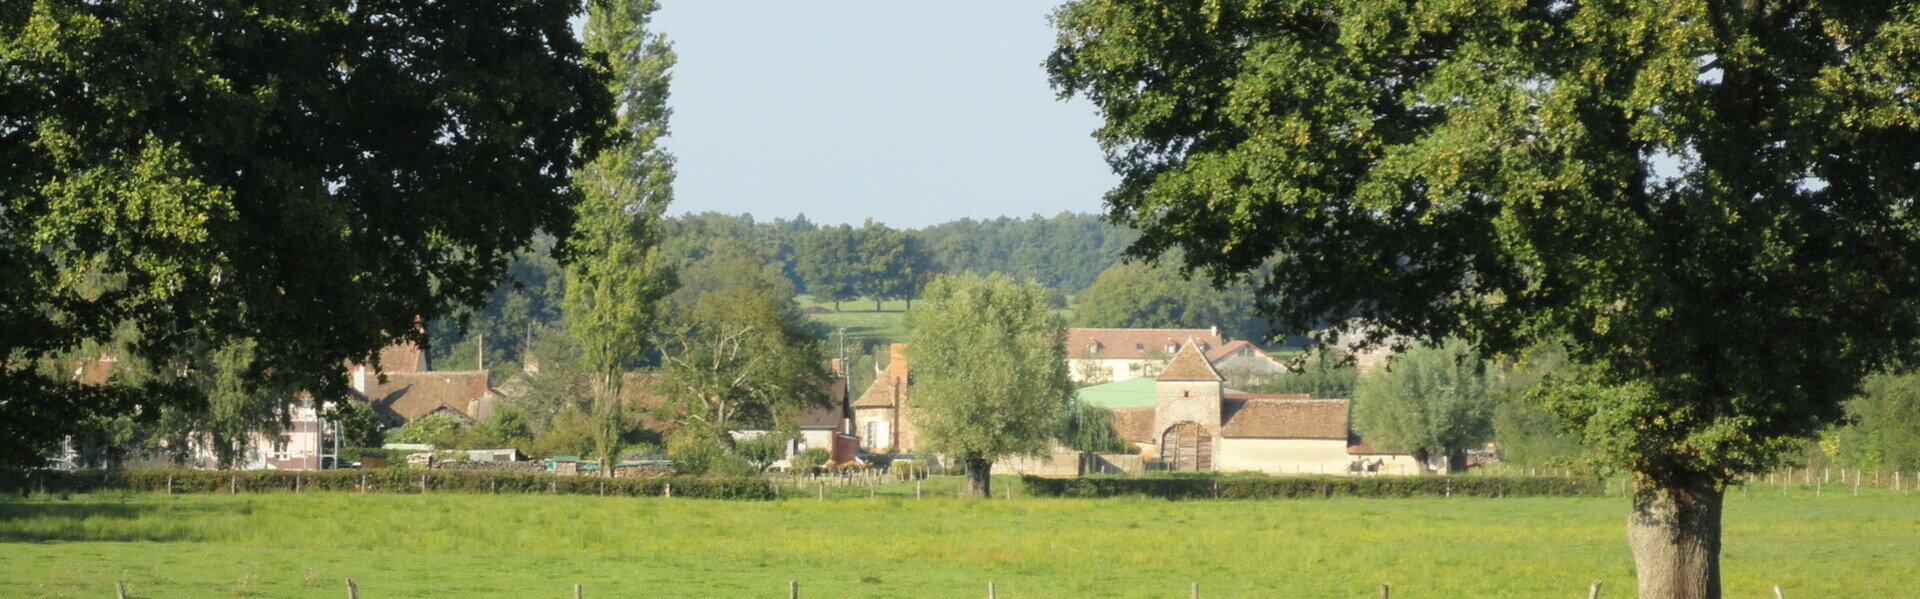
(103, 521)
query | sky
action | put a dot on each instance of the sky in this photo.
(910, 113)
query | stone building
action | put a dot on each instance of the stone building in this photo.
(1196, 424)
(882, 415)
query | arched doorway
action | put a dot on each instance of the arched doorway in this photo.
(1187, 446)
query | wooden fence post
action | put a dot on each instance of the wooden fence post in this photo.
(1594, 591)
(233, 485)
(1386, 591)
(793, 589)
(169, 484)
(353, 590)
(1193, 590)
(990, 594)
(916, 489)
(1777, 594)
(119, 590)
(576, 590)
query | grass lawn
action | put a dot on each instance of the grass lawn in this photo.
(862, 322)
(481, 546)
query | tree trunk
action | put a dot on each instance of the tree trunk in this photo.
(1674, 532)
(1456, 460)
(1421, 456)
(979, 478)
(876, 303)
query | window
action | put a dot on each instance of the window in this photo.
(879, 434)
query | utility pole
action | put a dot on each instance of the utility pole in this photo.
(480, 353)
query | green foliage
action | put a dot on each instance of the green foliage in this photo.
(828, 261)
(695, 453)
(1320, 375)
(1434, 400)
(1066, 251)
(763, 450)
(1312, 487)
(1147, 295)
(300, 175)
(1883, 428)
(739, 356)
(1086, 427)
(570, 432)
(395, 480)
(616, 273)
(989, 373)
(809, 459)
(439, 430)
(1669, 205)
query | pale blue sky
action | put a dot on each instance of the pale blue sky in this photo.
(912, 113)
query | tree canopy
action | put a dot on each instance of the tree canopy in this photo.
(1709, 203)
(310, 176)
(1150, 295)
(1431, 400)
(990, 375)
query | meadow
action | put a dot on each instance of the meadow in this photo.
(472, 546)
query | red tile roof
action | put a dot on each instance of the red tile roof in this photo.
(1189, 365)
(409, 395)
(1250, 417)
(1134, 344)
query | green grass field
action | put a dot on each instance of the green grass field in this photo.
(860, 320)
(480, 546)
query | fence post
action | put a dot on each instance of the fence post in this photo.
(576, 590)
(1856, 483)
(353, 590)
(363, 482)
(990, 590)
(233, 485)
(1777, 594)
(916, 489)
(1594, 592)
(793, 589)
(1194, 590)
(1386, 591)
(119, 590)
(667, 490)
(169, 484)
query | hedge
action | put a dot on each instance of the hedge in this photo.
(379, 481)
(1312, 486)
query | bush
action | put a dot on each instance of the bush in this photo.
(380, 481)
(809, 460)
(1201, 486)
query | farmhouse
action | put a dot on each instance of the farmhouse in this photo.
(881, 415)
(1185, 419)
(412, 389)
(1106, 355)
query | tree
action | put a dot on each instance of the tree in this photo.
(615, 271)
(1707, 202)
(1431, 400)
(827, 260)
(891, 264)
(990, 375)
(1883, 428)
(1144, 295)
(310, 176)
(742, 358)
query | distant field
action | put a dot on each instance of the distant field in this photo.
(861, 321)
(481, 546)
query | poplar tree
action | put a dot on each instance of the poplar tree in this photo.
(616, 274)
(1708, 203)
(989, 371)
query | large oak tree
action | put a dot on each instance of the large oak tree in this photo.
(1708, 202)
(310, 175)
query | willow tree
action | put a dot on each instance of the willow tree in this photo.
(1708, 202)
(615, 271)
(309, 175)
(989, 371)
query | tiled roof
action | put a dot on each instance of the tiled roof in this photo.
(1135, 425)
(409, 395)
(1189, 365)
(403, 357)
(1261, 418)
(825, 417)
(882, 392)
(96, 371)
(1134, 344)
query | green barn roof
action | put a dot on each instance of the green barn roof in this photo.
(1130, 393)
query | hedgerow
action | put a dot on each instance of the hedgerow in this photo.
(381, 481)
(1311, 486)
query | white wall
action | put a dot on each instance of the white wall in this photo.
(1283, 456)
